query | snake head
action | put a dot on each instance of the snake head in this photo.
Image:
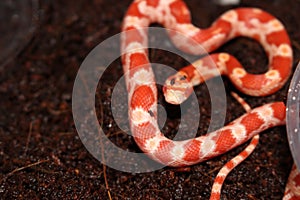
(177, 88)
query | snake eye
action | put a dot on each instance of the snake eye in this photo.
(172, 82)
(183, 78)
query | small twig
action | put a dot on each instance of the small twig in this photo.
(102, 154)
(22, 168)
(106, 182)
(296, 44)
(57, 112)
(102, 148)
(28, 137)
(214, 170)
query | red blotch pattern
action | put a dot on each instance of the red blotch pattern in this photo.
(224, 141)
(192, 153)
(142, 97)
(180, 12)
(252, 122)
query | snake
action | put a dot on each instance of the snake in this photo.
(175, 16)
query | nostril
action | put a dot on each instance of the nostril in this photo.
(151, 113)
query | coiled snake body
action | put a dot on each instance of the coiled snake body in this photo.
(142, 92)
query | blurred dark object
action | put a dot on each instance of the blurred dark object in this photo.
(18, 22)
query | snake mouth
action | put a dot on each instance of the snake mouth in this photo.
(176, 95)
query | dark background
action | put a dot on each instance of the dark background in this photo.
(41, 155)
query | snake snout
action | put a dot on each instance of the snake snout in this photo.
(177, 89)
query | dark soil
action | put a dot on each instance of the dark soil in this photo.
(41, 154)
